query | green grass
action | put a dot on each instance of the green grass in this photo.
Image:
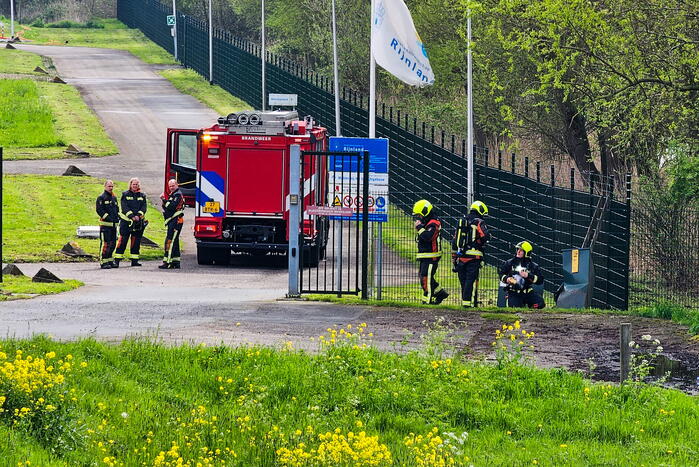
(23, 287)
(130, 403)
(192, 83)
(27, 119)
(113, 35)
(17, 61)
(40, 119)
(42, 213)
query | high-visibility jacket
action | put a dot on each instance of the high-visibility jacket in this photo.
(173, 207)
(107, 209)
(132, 204)
(470, 239)
(428, 239)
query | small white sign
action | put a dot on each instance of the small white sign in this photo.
(171, 20)
(290, 100)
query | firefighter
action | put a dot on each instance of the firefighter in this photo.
(108, 212)
(519, 274)
(173, 211)
(467, 251)
(429, 251)
(133, 223)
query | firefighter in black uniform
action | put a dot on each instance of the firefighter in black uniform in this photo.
(133, 210)
(429, 251)
(108, 211)
(173, 211)
(519, 274)
(467, 251)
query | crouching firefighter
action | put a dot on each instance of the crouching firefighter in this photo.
(429, 251)
(519, 274)
(132, 223)
(108, 212)
(467, 251)
(173, 211)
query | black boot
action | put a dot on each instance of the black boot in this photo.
(440, 296)
(164, 266)
(134, 262)
(115, 264)
(175, 265)
(105, 266)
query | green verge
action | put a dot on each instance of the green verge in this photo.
(113, 35)
(40, 119)
(17, 61)
(42, 213)
(23, 287)
(190, 82)
(141, 403)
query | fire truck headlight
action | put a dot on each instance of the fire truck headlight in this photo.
(231, 119)
(206, 138)
(243, 119)
(255, 119)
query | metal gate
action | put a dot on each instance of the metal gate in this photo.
(334, 233)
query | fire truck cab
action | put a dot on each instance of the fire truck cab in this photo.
(236, 176)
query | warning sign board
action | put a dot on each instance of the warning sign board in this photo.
(346, 183)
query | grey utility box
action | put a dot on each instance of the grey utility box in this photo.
(578, 279)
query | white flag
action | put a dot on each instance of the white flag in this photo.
(396, 44)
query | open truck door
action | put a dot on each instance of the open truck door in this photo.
(181, 162)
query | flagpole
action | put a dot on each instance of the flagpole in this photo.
(337, 233)
(469, 137)
(174, 28)
(264, 58)
(211, 48)
(372, 82)
(12, 19)
(336, 77)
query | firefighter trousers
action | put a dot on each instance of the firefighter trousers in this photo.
(430, 286)
(172, 242)
(468, 272)
(108, 238)
(125, 233)
(526, 298)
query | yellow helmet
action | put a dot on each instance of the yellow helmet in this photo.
(422, 208)
(526, 247)
(480, 208)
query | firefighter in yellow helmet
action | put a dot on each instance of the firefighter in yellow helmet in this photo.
(467, 251)
(429, 251)
(519, 274)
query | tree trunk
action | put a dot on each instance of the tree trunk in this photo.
(575, 139)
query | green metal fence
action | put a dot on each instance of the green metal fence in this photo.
(424, 162)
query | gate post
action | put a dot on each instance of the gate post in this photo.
(294, 219)
(365, 225)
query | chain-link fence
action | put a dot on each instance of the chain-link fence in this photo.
(542, 206)
(664, 259)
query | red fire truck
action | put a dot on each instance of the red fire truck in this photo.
(235, 175)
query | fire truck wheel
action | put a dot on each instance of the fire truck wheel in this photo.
(205, 255)
(223, 257)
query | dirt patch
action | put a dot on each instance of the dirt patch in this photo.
(569, 341)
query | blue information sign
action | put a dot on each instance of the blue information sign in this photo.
(343, 173)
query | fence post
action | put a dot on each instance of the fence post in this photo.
(365, 226)
(499, 160)
(513, 162)
(629, 236)
(526, 166)
(625, 351)
(294, 219)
